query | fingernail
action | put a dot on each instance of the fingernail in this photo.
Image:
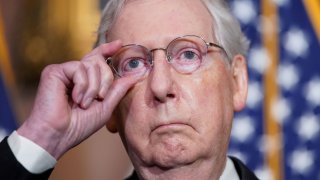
(102, 92)
(87, 102)
(79, 98)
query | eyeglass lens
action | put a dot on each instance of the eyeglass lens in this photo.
(185, 54)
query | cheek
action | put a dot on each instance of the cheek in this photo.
(217, 113)
(130, 123)
(212, 94)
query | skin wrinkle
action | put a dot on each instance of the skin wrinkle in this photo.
(173, 126)
(202, 99)
(200, 78)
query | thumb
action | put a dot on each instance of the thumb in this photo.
(117, 91)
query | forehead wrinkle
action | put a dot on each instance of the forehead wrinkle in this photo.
(164, 21)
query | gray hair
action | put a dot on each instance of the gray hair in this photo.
(226, 30)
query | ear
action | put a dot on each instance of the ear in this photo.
(240, 82)
(112, 124)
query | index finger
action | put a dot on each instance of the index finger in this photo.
(106, 49)
(117, 91)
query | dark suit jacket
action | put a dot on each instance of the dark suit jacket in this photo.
(11, 169)
(243, 172)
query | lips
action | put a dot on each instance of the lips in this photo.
(170, 125)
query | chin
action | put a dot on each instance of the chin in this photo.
(170, 155)
(169, 162)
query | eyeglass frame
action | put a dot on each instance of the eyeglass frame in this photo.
(150, 51)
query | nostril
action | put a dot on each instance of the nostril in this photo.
(157, 99)
(162, 100)
(170, 95)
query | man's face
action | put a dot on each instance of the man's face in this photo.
(171, 119)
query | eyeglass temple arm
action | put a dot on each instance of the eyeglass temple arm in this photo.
(214, 45)
(217, 46)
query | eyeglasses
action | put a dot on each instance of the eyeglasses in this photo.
(185, 54)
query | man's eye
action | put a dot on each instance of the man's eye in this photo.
(133, 64)
(188, 55)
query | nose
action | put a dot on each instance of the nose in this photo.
(161, 82)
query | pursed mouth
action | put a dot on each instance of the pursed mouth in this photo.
(172, 125)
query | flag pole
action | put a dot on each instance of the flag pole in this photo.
(272, 126)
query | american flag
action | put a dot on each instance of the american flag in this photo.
(278, 134)
(7, 122)
(7, 119)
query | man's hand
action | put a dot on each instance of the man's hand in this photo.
(74, 100)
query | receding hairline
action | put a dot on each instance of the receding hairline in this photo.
(198, 20)
(226, 29)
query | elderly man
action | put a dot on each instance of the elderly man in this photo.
(167, 75)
